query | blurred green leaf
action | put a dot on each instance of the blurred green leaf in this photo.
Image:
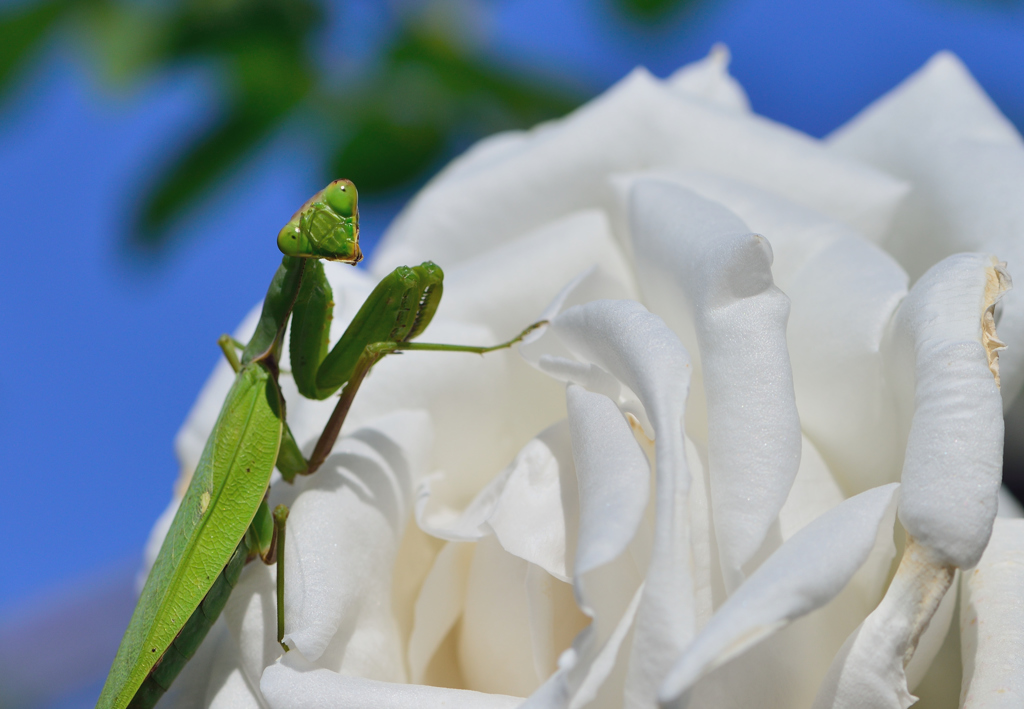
(271, 88)
(22, 29)
(261, 44)
(382, 155)
(427, 93)
(651, 10)
(224, 27)
(525, 101)
(205, 162)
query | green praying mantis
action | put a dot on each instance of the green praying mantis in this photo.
(224, 520)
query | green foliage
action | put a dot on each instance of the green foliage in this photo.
(386, 127)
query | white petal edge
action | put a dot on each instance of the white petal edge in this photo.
(869, 672)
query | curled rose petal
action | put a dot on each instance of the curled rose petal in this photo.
(843, 291)
(344, 531)
(613, 479)
(940, 354)
(943, 360)
(869, 670)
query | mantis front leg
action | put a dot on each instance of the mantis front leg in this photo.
(400, 307)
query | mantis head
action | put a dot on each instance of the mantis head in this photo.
(326, 226)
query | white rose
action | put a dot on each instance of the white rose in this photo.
(692, 504)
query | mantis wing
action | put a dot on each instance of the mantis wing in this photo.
(226, 489)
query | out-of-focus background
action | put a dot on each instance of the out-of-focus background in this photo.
(151, 150)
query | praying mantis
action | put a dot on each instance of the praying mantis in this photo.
(224, 520)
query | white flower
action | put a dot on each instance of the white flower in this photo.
(691, 500)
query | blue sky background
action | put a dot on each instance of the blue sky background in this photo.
(102, 355)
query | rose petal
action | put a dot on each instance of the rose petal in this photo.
(478, 407)
(941, 359)
(796, 233)
(814, 492)
(786, 668)
(932, 638)
(843, 298)
(805, 573)
(251, 617)
(531, 510)
(537, 516)
(295, 683)
(699, 263)
(613, 480)
(941, 132)
(530, 505)
(228, 688)
(343, 535)
(992, 622)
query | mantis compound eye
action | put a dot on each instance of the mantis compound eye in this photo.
(291, 241)
(341, 196)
